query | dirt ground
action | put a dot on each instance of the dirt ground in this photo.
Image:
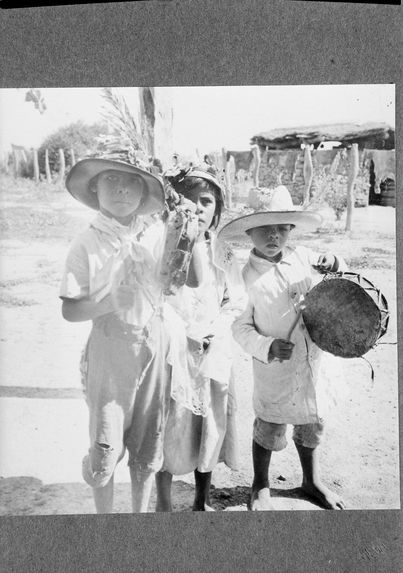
(43, 414)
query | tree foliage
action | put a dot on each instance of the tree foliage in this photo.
(80, 137)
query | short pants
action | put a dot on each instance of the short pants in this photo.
(271, 436)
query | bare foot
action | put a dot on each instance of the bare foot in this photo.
(327, 498)
(260, 500)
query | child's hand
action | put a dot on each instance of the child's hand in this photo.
(187, 205)
(325, 263)
(281, 349)
(123, 297)
(198, 346)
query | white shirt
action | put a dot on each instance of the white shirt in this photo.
(107, 254)
(284, 392)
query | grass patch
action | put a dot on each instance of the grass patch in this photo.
(12, 301)
(35, 211)
(376, 251)
(24, 222)
(367, 262)
(14, 282)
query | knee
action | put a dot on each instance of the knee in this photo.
(99, 465)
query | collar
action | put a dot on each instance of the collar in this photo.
(263, 264)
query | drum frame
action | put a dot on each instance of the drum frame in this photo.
(379, 300)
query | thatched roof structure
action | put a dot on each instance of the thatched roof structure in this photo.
(369, 136)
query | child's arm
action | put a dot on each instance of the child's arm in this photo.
(80, 310)
(195, 274)
(84, 309)
(245, 333)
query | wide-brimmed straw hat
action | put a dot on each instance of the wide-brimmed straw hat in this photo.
(279, 209)
(78, 180)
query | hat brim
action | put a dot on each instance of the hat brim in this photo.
(77, 183)
(304, 220)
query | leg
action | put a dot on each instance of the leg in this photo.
(103, 497)
(311, 483)
(142, 483)
(260, 495)
(268, 437)
(163, 481)
(202, 492)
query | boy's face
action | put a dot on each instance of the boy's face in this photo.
(270, 240)
(119, 194)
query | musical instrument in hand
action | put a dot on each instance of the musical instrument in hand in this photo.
(345, 314)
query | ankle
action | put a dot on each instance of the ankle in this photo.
(260, 483)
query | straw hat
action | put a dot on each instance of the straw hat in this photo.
(78, 179)
(279, 209)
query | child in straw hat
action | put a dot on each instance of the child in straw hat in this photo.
(195, 441)
(285, 366)
(111, 277)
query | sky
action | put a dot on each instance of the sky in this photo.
(205, 118)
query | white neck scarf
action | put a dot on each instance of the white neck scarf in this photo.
(124, 238)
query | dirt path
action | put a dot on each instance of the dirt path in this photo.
(44, 418)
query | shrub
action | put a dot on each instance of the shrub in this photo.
(330, 189)
(80, 137)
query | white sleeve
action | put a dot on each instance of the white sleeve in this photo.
(245, 333)
(75, 280)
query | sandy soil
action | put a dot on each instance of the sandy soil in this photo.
(44, 418)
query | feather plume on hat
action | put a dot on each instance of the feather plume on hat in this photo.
(126, 143)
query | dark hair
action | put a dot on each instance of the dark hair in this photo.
(188, 183)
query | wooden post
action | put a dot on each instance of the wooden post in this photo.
(5, 163)
(147, 119)
(47, 167)
(72, 157)
(227, 178)
(18, 154)
(308, 174)
(16, 162)
(350, 184)
(256, 165)
(36, 165)
(62, 168)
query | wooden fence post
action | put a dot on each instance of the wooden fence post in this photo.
(350, 184)
(47, 167)
(308, 174)
(62, 168)
(256, 165)
(227, 178)
(35, 164)
(5, 162)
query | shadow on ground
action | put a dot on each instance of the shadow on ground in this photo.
(29, 496)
